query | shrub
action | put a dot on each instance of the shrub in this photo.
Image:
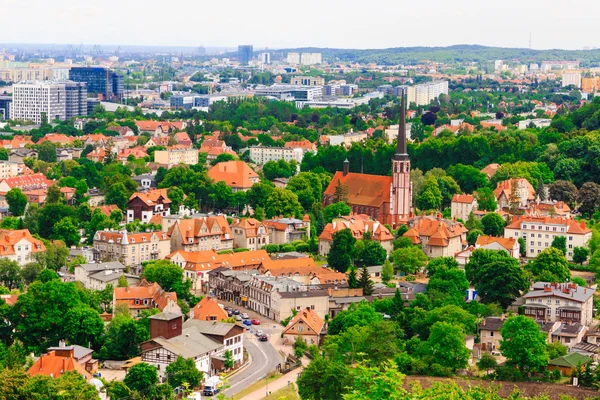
(438, 370)
(303, 247)
(272, 248)
(286, 248)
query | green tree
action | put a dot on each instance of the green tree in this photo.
(447, 284)
(388, 384)
(372, 253)
(493, 224)
(556, 349)
(486, 201)
(10, 273)
(560, 242)
(117, 194)
(361, 314)
(184, 370)
(365, 282)
(221, 195)
(564, 191)
(473, 235)
(340, 253)
(550, 266)
(522, 247)
(409, 260)
(30, 272)
(176, 195)
(300, 346)
(228, 360)
(352, 279)
(55, 196)
(282, 202)
(430, 197)
(324, 379)
(588, 198)
(140, 377)
(523, 344)
(47, 152)
(487, 362)
(468, 177)
(17, 202)
(580, 254)
(169, 276)
(66, 231)
(387, 272)
(336, 210)
(446, 346)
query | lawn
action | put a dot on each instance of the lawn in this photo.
(255, 386)
(287, 393)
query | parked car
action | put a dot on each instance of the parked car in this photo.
(245, 316)
(255, 322)
(247, 322)
(229, 313)
(236, 312)
(263, 338)
(259, 333)
(238, 318)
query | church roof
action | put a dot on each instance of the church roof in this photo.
(363, 189)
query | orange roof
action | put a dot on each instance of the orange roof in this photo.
(97, 154)
(307, 317)
(438, 230)
(137, 152)
(9, 239)
(573, 226)
(192, 230)
(236, 174)
(490, 170)
(152, 196)
(144, 291)
(94, 137)
(26, 182)
(243, 259)
(130, 238)
(106, 210)
(463, 198)
(54, 366)
(363, 189)
(277, 267)
(507, 243)
(197, 261)
(164, 125)
(10, 299)
(358, 226)
(208, 310)
(559, 208)
(56, 138)
(183, 138)
(505, 187)
(250, 225)
(303, 144)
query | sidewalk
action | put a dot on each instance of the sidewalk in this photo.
(280, 383)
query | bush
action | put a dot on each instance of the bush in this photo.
(286, 248)
(302, 247)
(272, 248)
(438, 370)
(410, 278)
(313, 351)
(506, 373)
(240, 250)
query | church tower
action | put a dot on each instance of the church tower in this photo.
(401, 204)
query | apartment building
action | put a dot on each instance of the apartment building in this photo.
(425, 93)
(539, 232)
(571, 78)
(19, 245)
(590, 85)
(9, 169)
(261, 155)
(197, 234)
(145, 296)
(32, 100)
(311, 58)
(176, 155)
(564, 302)
(131, 249)
(307, 80)
(462, 205)
(250, 233)
(438, 237)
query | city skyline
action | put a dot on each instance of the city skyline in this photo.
(441, 24)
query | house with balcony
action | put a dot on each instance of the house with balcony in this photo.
(564, 302)
(144, 205)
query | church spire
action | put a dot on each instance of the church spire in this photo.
(401, 145)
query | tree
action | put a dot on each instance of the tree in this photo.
(117, 194)
(580, 254)
(487, 362)
(184, 370)
(282, 202)
(169, 276)
(564, 191)
(387, 272)
(66, 231)
(372, 253)
(522, 247)
(469, 178)
(221, 195)
(560, 242)
(30, 272)
(340, 193)
(84, 325)
(447, 284)
(409, 260)
(493, 224)
(10, 273)
(541, 191)
(176, 195)
(365, 282)
(299, 346)
(361, 314)
(17, 202)
(341, 251)
(446, 346)
(402, 242)
(223, 157)
(472, 236)
(428, 118)
(523, 344)
(556, 349)
(141, 376)
(497, 276)
(589, 198)
(430, 197)
(550, 266)
(336, 210)
(352, 279)
(387, 386)
(47, 152)
(324, 379)
(486, 201)
(228, 360)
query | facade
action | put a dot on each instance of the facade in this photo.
(101, 81)
(425, 93)
(236, 174)
(76, 99)
(311, 58)
(261, 288)
(196, 266)
(386, 199)
(96, 276)
(462, 205)
(9, 169)
(510, 245)
(290, 92)
(5, 105)
(261, 155)
(588, 85)
(306, 324)
(144, 205)
(284, 302)
(518, 191)
(539, 232)
(358, 225)
(438, 237)
(174, 156)
(131, 249)
(564, 302)
(489, 334)
(307, 80)
(287, 230)
(198, 234)
(231, 336)
(250, 233)
(145, 296)
(293, 58)
(245, 54)
(572, 78)
(19, 246)
(32, 100)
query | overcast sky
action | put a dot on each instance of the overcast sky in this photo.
(318, 23)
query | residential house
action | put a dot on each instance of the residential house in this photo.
(287, 230)
(208, 309)
(26, 183)
(510, 245)
(490, 170)
(95, 139)
(131, 249)
(55, 365)
(511, 191)
(106, 209)
(196, 266)
(284, 302)
(96, 276)
(176, 155)
(183, 139)
(359, 225)
(160, 128)
(249, 233)
(144, 205)
(81, 354)
(549, 209)
(462, 205)
(231, 336)
(308, 325)
(539, 232)
(57, 138)
(565, 302)
(205, 233)
(123, 130)
(19, 155)
(236, 174)
(569, 334)
(9, 169)
(19, 245)
(145, 296)
(489, 334)
(245, 260)
(569, 363)
(145, 181)
(136, 152)
(97, 155)
(68, 153)
(438, 237)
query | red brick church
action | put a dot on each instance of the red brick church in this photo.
(387, 199)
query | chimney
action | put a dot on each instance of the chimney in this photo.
(61, 343)
(346, 167)
(502, 317)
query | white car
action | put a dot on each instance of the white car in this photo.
(245, 316)
(259, 333)
(238, 318)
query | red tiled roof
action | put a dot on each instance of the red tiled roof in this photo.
(463, 198)
(54, 366)
(152, 196)
(358, 226)
(208, 310)
(573, 226)
(25, 181)
(235, 174)
(197, 228)
(144, 291)
(363, 189)
(507, 243)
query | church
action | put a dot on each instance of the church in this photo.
(388, 199)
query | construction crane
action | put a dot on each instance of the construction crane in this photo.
(97, 50)
(74, 51)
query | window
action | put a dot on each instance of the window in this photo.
(533, 235)
(570, 237)
(532, 243)
(558, 301)
(492, 333)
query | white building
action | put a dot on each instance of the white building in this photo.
(290, 92)
(261, 155)
(265, 58)
(96, 276)
(176, 155)
(425, 93)
(311, 58)
(539, 232)
(462, 205)
(572, 78)
(564, 302)
(293, 58)
(537, 122)
(57, 100)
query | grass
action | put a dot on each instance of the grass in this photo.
(286, 393)
(256, 385)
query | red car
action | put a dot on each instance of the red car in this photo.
(255, 322)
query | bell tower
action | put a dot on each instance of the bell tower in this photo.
(401, 204)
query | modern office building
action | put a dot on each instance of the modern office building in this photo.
(265, 58)
(5, 104)
(100, 81)
(57, 100)
(76, 99)
(181, 102)
(290, 92)
(245, 53)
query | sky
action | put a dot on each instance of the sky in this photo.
(309, 23)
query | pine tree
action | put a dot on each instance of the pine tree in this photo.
(341, 193)
(541, 192)
(365, 282)
(352, 283)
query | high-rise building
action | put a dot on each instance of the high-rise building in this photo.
(245, 54)
(5, 104)
(571, 78)
(588, 85)
(425, 93)
(55, 100)
(293, 58)
(310, 58)
(100, 81)
(265, 58)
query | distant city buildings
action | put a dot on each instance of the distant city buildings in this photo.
(571, 78)
(54, 99)
(304, 58)
(100, 81)
(261, 155)
(5, 105)
(425, 93)
(265, 58)
(307, 80)
(245, 53)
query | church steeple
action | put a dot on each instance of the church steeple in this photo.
(401, 204)
(401, 153)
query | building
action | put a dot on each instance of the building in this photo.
(518, 191)
(265, 58)
(55, 363)
(564, 302)
(384, 198)
(569, 363)
(160, 128)
(293, 58)
(424, 94)
(539, 232)
(307, 325)
(19, 246)
(261, 155)
(144, 205)
(49, 99)
(536, 122)
(510, 245)
(76, 99)
(245, 54)
(287, 230)
(229, 335)
(249, 233)
(462, 205)
(284, 302)
(438, 237)
(231, 285)
(307, 80)
(588, 85)
(208, 309)
(310, 58)
(5, 105)
(176, 155)
(358, 225)
(198, 234)
(181, 101)
(236, 174)
(196, 266)
(260, 290)
(100, 81)
(96, 276)
(490, 170)
(489, 334)
(131, 249)
(145, 296)
(81, 354)
(290, 92)
(10, 169)
(571, 78)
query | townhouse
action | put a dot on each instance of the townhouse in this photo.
(131, 249)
